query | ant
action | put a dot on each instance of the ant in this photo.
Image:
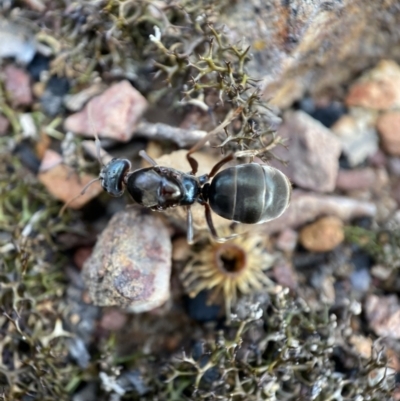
(247, 193)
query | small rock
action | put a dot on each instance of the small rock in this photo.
(383, 314)
(325, 112)
(357, 134)
(360, 280)
(131, 263)
(381, 272)
(52, 98)
(287, 240)
(16, 41)
(50, 160)
(113, 114)
(133, 381)
(312, 154)
(28, 125)
(38, 65)
(78, 351)
(76, 101)
(113, 319)
(306, 207)
(17, 85)
(394, 166)
(4, 125)
(363, 345)
(357, 179)
(36, 5)
(200, 310)
(378, 89)
(285, 275)
(64, 184)
(378, 159)
(81, 255)
(323, 235)
(26, 154)
(396, 191)
(389, 127)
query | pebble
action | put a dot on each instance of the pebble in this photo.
(381, 272)
(395, 192)
(130, 265)
(81, 255)
(63, 183)
(360, 280)
(16, 41)
(326, 112)
(383, 315)
(4, 125)
(113, 319)
(388, 126)
(200, 310)
(28, 126)
(18, 86)
(38, 65)
(357, 135)
(377, 89)
(76, 101)
(323, 235)
(28, 157)
(113, 114)
(307, 207)
(50, 160)
(285, 275)
(53, 95)
(394, 166)
(312, 152)
(287, 240)
(356, 179)
(363, 345)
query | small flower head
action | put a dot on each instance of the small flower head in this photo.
(236, 266)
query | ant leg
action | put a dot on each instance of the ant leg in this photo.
(217, 167)
(192, 161)
(189, 235)
(146, 157)
(232, 115)
(194, 164)
(204, 178)
(212, 229)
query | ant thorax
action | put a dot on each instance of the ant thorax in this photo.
(161, 188)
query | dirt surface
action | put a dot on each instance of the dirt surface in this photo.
(105, 300)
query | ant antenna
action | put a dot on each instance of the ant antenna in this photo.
(96, 136)
(98, 154)
(146, 157)
(77, 196)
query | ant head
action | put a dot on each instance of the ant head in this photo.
(112, 176)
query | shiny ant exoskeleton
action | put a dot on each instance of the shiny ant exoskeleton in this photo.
(247, 193)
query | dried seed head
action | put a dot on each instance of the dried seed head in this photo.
(233, 267)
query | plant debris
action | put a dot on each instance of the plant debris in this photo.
(304, 307)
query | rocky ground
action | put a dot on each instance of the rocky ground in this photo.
(102, 299)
